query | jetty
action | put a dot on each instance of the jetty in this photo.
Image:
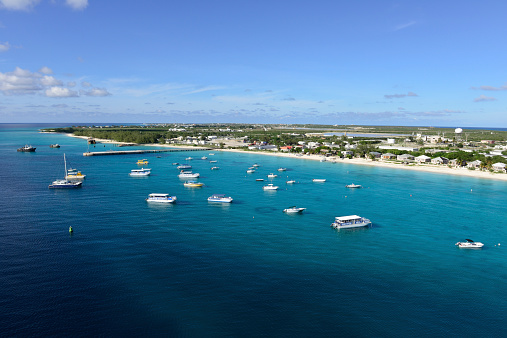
(130, 152)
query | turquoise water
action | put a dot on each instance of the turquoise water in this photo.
(244, 269)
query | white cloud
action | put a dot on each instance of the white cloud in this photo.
(60, 92)
(19, 82)
(484, 98)
(18, 5)
(97, 92)
(46, 70)
(86, 84)
(49, 81)
(77, 4)
(4, 47)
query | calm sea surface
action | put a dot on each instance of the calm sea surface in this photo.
(197, 269)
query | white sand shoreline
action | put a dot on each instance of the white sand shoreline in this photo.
(436, 169)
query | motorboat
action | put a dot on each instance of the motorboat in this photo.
(353, 186)
(143, 161)
(193, 184)
(319, 180)
(290, 182)
(215, 168)
(184, 166)
(27, 149)
(352, 221)
(469, 244)
(282, 169)
(140, 172)
(214, 161)
(56, 145)
(250, 171)
(270, 186)
(272, 175)
(259, 179)
(160, 198)
(188, 174)
(74, 174)
(256, 165)
(294, 210)
(204, 158)
(65, 184)
(189, 159)
(211, 154)
(175, 163)
(220, 198)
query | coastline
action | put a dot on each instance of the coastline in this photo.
(430, 168)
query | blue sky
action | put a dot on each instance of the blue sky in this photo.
(436, 63)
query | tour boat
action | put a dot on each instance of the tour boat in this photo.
(160, 198)
(65, 184)
(184, 166)
(27, 149)
(140, 172)
(74, 174)
(352, 221)
(143, 161)
(272, 175)
(319, 180)
(193, 184)
(220, 198)
(469, 244)
(293, 210)
(270, 186)
(188, 174)
(353, 186)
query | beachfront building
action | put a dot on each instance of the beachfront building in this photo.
(474, 164)
(286, 148)
(499, 166)
(440, 160)
(347, 152)
(405, 157)
(423, 159)
(375, 154)
(388, 156)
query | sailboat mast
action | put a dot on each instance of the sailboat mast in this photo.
(65, 161)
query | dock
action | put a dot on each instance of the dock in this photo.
(147, 151)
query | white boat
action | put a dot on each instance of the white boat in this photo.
(259, 179)
(270, 187)
(215, 168)
(211, 154)
(188, 174)
(469, 244)
(214, 161)
(352, 221)
(319, 180)
(175, 163)
(160, 198)
(65, 184)
(323, 159)
(140, 172)
(282, 169)
(74, 174)
(204, 158)
(189, 159)
(220, 198)
(193, 184)
(184, 166)
(272, 175)
(250, 171)
(293, 210)
(353, 186)
(256, 165)
(290, 182)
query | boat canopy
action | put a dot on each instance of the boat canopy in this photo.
(348, 218)
(158, 195)
(217, 195)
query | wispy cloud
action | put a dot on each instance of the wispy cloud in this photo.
(399, 96)
(18, 5)
(491, 88)
(4, 47)
(77, 5)
(484, 98)
(404, 25)
(204, 89)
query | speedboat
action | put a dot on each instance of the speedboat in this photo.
(140, 172)
(193, 184)
(282, 169)
(290, 182)
(73, 174)
(188, 174)
(215, 168)
(189, 159)
(259, 179)
(204, 158)
(56, 145)
(293, 210)
(250, 171)
(220, 198)
(27, 149)
(211, 154)
(160, 198)
(175, 163)
(256, 165)
(469, 244)
(319, 180)
(352, 221)
(143, 161)
(214, 161)
(270, 186)
(353, 186)
(65, 184)
(272, 175)
(184, 166)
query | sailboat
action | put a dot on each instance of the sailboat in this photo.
(65, 184)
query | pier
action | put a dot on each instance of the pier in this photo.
(130, 152)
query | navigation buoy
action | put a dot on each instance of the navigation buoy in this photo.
(70, 229)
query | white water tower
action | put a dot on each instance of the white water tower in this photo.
(457, 133)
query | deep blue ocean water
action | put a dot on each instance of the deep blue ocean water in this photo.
(246, 269)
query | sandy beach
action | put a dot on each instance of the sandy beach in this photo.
(436, 169)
